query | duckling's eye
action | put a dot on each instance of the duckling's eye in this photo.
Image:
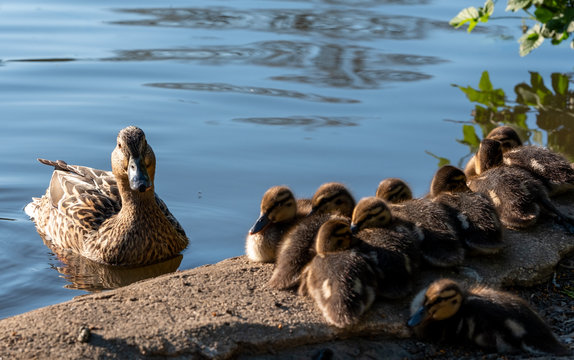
(339, 243)
(454, 302)
(119, 146)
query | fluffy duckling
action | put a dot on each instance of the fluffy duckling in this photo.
(279, 212)
(296, 250)
(112, 217)
(338, 278)
(389, 245)
(435, 231)
(508, 138)
(480, 316)
(517, 195)
(479, 224)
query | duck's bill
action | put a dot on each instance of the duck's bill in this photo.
(260, 224)
(138, 176)
(417, 317)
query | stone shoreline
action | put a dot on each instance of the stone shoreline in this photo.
(226, 311)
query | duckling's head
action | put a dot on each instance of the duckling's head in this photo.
(333, 198)
(277, 205)
(440, 301)
(394, 191)
(448, 179)
(370, 212)
(507, 136)
(489, 155)
(133, 160)
(334, 235)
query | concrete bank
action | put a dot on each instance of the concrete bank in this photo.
(225, 310)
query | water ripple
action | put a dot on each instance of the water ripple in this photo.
(309, 122)
(220, 87)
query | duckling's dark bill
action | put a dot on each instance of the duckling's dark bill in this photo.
(260, 224)
(138, 176)
(417, 317)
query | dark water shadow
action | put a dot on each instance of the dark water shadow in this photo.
(88, 275)
(327, 64)
(250, 90)
(307, 122)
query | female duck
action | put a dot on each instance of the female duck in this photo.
(279, 213)
(436, 234)
(493, 320)
(479, 227)
(110, 217)
(517, 195)
(339, 279)
(389, 246)
(297, 249)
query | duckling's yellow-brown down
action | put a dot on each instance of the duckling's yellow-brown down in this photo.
(110, 217)
(493, 320)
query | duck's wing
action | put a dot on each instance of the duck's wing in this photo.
(169, 215)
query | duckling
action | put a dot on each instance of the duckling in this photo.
(517, 195)
(296, 250)
(389, 245)
(508, 138)
(479, 225)
(110, 217)
(436, 234)
(279, 212)
(493, 320)
(338, 278)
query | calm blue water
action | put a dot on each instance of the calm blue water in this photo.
(236, 97)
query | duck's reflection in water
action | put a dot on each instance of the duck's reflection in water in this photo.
(88, 275)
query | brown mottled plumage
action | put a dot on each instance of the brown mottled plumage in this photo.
(110, 217)
(493, 320)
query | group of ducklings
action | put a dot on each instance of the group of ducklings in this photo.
(344, 254)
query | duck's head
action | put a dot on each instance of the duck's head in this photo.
(370, 212)
(334, 235)
(507, 136)
(333, 198)
(440, 301)
(448, 179)
(277, 205)
(394, 190)
(133, 160)
(489, 155)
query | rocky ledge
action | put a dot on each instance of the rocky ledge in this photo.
(225, 311)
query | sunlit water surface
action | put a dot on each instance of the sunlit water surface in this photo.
(236, 97)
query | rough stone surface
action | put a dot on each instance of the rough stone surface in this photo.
(225, 310)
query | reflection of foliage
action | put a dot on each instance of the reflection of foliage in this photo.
(554, 112)
(554, 20)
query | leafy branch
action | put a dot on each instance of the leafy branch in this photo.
(554, 20)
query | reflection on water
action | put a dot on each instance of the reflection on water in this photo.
(326, 65)
(553, 108)
(85, 274)
(334, 23)
(250, 90)
(308, 122)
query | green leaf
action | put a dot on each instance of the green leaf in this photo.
(531, 40)
(486, 11)
(469, 15)
(469, 136)
(559, 83)
(515, 5)
(484, 83)
(441, 160)
(543, 15)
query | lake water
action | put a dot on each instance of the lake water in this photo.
(238, 96)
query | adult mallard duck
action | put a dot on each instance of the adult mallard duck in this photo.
(435, 229)
(339, 279)
(518, 196)
(297, 248)
(279, 213)
(479, 227)
(110, 217)
(493, 320)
